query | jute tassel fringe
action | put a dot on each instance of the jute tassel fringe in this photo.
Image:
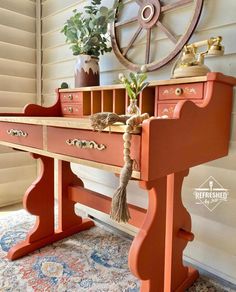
(101, 121)
(119, 209)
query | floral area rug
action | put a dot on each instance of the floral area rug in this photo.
(92, 261)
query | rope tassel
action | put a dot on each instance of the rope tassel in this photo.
(119, 207)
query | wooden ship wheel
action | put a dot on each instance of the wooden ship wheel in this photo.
(135, 40)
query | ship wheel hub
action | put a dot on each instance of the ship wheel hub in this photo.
(149, 13)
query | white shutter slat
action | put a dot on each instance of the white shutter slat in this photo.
(21, 22)
(12, 193)
(17, 84)
(22, 7)
(14, 159)
(11, 110)
(17, 69)
(17, 37)
(8, 51)
(15, 99)
(17, 88)
(13, 174)
(4, 150)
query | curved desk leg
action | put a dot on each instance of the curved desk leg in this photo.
(178, 234)
(147, 252)
(39, 201)
(156, 253)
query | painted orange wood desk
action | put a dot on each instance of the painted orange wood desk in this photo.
(197, 131)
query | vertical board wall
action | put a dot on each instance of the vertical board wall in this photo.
(214, 246)
(17, 88)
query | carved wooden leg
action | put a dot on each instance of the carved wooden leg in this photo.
(39, 201)
(147, 252)
(68, 221)
(178, 234)
(156, 253)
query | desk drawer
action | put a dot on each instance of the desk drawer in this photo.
(72, 109)
(22, 134)
(71, 97)
(62, 141)
(181, 91)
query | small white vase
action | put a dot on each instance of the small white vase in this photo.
(87, 71)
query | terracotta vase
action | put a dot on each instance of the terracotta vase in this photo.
(87, 71)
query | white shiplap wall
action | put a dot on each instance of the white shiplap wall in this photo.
(17, 88)
(215, 245)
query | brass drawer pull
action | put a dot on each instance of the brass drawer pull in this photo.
(70, 109)
(83, 144)
(70, 97)
(16, 133)
(179, 91)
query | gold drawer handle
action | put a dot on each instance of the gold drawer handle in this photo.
(70, 97)
(70, 109)
(17, 133)
(83, 144)
(179, 91)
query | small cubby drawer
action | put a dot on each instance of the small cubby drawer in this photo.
(71, 97)
(181, 91)
(166, 109)
(106, 148)
(22, 134)
(72, 109)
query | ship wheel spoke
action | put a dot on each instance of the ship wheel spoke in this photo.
(132, 41)
(121, 23)
(139, 2)
(167, 32)
(174, 5)
(148, 46)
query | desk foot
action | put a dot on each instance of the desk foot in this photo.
(193, 275)
(23, 248)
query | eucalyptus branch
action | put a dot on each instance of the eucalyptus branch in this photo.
(134, 84)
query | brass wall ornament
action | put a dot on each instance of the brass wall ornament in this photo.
(84, 144)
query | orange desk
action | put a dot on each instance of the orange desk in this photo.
(197, 131)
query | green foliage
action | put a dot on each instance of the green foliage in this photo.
(87, 33)
(134, 84)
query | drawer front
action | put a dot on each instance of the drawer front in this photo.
(72, 109)
(166, 109)
(72, 97)
(22, 134)
(181, 91)
(62, 141)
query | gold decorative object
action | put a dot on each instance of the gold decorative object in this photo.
(191, 62)
(17, 133)
(83, 144)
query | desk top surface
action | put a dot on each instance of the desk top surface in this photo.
(74, 123)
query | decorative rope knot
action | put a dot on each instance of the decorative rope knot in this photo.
(119, 208)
